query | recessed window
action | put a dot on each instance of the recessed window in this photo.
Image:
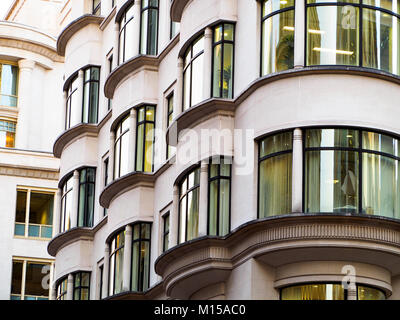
(87, 179)
(145, 138)
(116, 263)
(126, 35)
(81, 285)
(275, 175)
(121, 149)
(149, 27)
(277, 36)
(34, 214)
(352, 171)
(7, 134)
(223, 53)
(28, 278)
(91, 95)
(165, 220)
(141, 257)
(8, 85)
(189, 192)
(170, 114)
(193, 74)
(219, 184)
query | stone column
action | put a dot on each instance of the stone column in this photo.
(25, 103)
(106, 270)
(136, 27)
(351, 293)
(116, 46)
(75, 199)
(178, 93)
(299, 39)
(297, 171)
(173, 236)
(57, 213)
(70, 287)
(111, 158)
(203, 199)
(126, 269)
(132, 140)
(52, 283)
(207, 63)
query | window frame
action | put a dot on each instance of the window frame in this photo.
(70, 95)
(139, 123)
(86, 217)
(89, 83)
(148, 8)
(166, 216)
(10, 127)
(117, 140)
(65, 192)
(29, 191)
(113, 252)
(219, 177)
(62, 295)
(169, 120)
(12, 64)
(80, 287)
(222, 42)
(123, 22)
(96, 10)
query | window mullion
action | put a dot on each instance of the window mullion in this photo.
(23, 280)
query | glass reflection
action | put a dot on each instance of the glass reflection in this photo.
(318, 291)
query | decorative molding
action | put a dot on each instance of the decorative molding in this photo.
(29, 172)
(259, 238)
(133, 65)
(74, 27)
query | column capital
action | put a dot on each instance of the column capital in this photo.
(208, 32)
(176, 190)
(76, 174)
(180, 62)
(26, 64)
(80, 73)
(297, 134)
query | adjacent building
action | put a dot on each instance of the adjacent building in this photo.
(230, 149)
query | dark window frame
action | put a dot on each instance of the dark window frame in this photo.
(166, 231)
(112, 255)
(222, 42)
(144, 122)
(118, 141)
(89, 82)
(148, 8)
(65, 192)
(62, 295)
(70, 96)
(88, 218)
(80, 287)
(123, 22)
(170, 113)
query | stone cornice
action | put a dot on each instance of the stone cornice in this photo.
(135, 64)
(73, 235)
(29, 172)
(67, 137)
(259, 238)
(211, 107)
(74, 27)
(128, 182)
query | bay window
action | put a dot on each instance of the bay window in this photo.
(91, 95)
(116, 263)
(66, 205)
(8, 84)
(141, 257)
(149, 27)
(121, 149)
(87, 179)
(126, 35)
(73, 106)
(145, 138)
(81, 285)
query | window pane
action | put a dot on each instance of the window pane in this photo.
(34, 278)
(367, 293)
(270, 6)
(275, 191)
(313, 292)
(213, 207)
(46, 232)
(331, 181)
(16, 277)
(182, 221)
(346, 138)
(149, 148)
(392, 5)
(217, 70)
(228, 32)
(193, 214)
(227, 74)
(129, 43)
(20, 214)
(332, 35)
(140, 147)
(224, 200)
(379, 142)
(197, 80)
(7, 134)
(186, 88)
(41, 208)
(276, 143)
(381, 186)
(8, 82)
(278, 42)
(33, 231)
(124, 155)
(19, 229)
(380, 41)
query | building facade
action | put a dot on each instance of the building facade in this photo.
(230, 149)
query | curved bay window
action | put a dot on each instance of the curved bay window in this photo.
(73, 106)
(352, 171)
(8, 84)
(193, 74)
(126, 35)
(66, 205)
(91, 95)
(277, 34)
(81, 285)
(121, 149)
(328, 291)
(87, 178)
(189, 192)
(145, 138)
(275, 175)
(141, 257)
(7, 134)
(355, 32)
(219, 195)
(62, 289)
(223, 53)
(149, 27)
(116, 263)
